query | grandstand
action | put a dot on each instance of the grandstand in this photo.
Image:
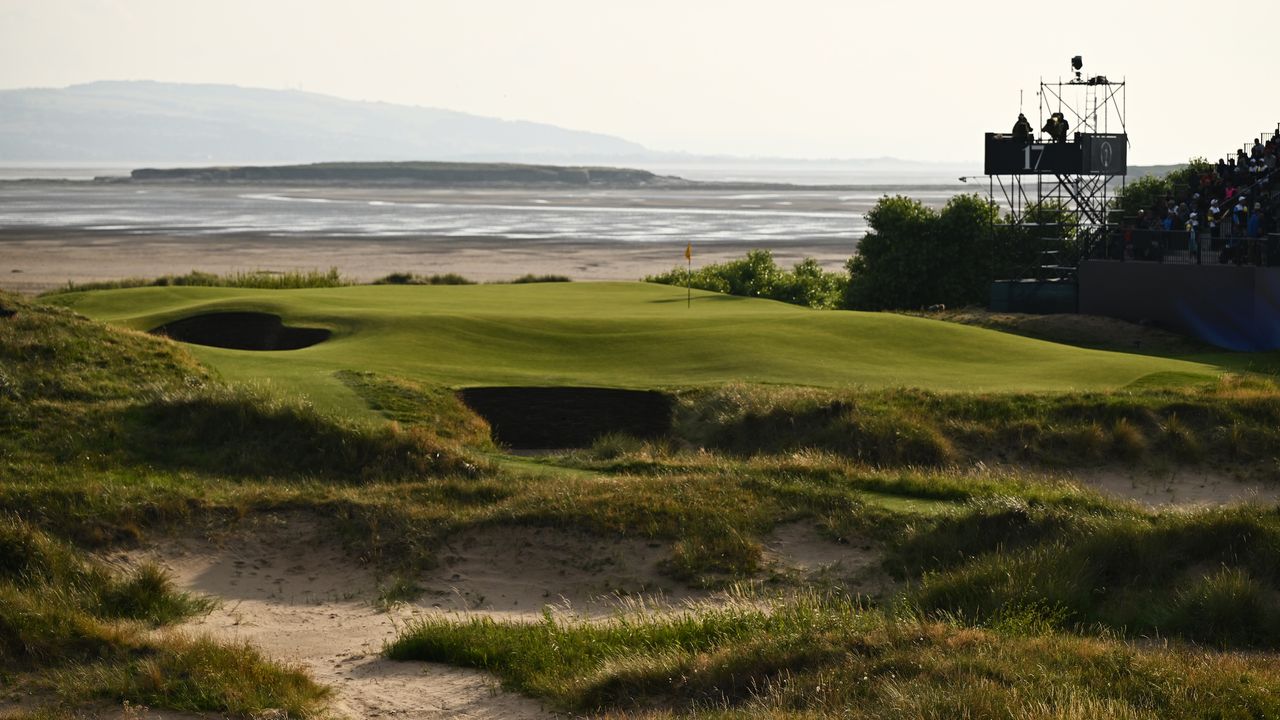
(1210, 213)
(1203, 258)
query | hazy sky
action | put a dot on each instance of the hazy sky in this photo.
(803, 78)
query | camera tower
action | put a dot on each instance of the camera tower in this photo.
(1057, 192)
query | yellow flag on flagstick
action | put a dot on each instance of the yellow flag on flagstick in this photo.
(688, 276)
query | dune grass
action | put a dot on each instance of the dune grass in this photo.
(829, 656)
(71, 627)
(258, 279)
(1233, 419)
(1210, 576)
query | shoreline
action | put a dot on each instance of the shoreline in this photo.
(36, 260)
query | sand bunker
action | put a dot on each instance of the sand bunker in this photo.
(287, 587)
(291, 591)
(1178, 487)
(799, 550)
(242, 331)
(563, 417)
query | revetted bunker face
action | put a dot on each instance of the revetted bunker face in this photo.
(241, 331)
(561, 417)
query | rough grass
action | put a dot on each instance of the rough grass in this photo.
(1210, 576)
(432, 408)
(1082, 330)
(196, 675)
(1234, 419)
(56, 602)
(71, 626)
(823, 656)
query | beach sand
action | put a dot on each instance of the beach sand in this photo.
(53, 233)
(37, 259)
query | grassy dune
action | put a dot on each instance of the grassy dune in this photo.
(621, 335)
(831, 657)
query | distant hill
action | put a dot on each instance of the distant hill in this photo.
(1141, 171)
(171, 122)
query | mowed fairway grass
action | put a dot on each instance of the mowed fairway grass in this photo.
(629, 335)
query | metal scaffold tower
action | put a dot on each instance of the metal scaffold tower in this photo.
(1055, 186)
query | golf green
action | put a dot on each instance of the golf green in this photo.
(626, 335)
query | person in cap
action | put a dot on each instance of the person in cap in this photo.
(1022, 129)
(1193, 235)
(1239, 216)
(1057, 127)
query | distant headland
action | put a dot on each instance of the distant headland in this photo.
(451, 174)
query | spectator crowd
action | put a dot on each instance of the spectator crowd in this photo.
(1225, 210)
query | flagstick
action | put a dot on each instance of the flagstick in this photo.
(688, 280)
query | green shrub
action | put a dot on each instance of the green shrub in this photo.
(913, 256)
(532, 278)
(758, 275)
(614, 445)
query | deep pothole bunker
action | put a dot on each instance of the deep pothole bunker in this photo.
(525, 418)
(241, 331)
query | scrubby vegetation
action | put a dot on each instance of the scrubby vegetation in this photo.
(820, 656)
(404, 278)
(533, 278)
(426, 408)
(75, 630)
(1209, 576)
(1233, 420)
(758, 275)
(134, 400)
(1091, 331)
(259, 279)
